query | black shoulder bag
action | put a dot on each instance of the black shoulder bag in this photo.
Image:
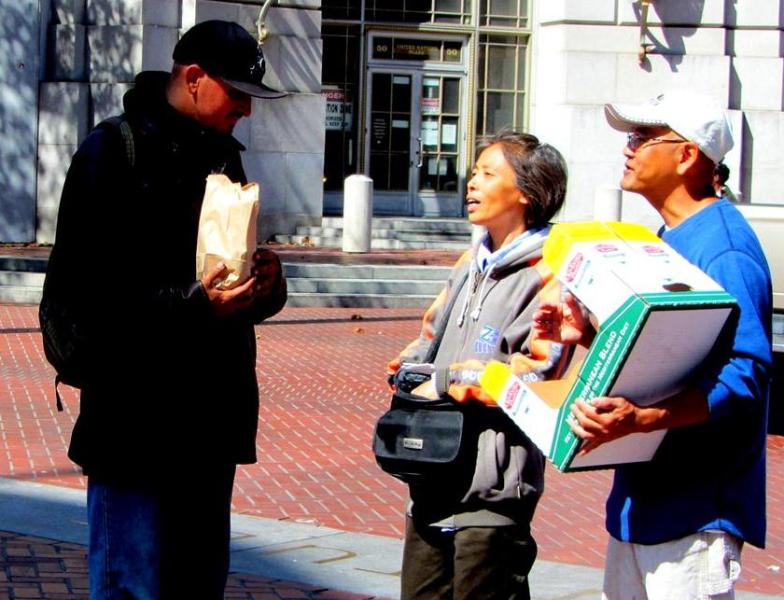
(419, 439)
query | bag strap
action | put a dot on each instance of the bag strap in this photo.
(434, 345)
(119, 122)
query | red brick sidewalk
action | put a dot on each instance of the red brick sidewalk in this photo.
(36, 568)
(322, 387)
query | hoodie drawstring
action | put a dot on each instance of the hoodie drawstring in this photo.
(475, 313)
(472, 285)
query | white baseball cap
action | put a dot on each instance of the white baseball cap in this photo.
(695, 117)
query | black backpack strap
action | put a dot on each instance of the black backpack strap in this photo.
(406, 379)
(57, 380)
(120, 123)
(434, 345)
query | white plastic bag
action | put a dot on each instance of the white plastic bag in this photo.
(227, 230)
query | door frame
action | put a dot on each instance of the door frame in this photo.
(426, 203)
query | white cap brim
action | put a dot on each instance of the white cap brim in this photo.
(627, 117)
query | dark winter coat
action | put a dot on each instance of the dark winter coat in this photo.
(168, 382)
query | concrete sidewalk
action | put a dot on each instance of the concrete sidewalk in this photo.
(269, 557)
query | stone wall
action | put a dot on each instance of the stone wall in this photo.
(586, 54)
(19, 74)
(94, 50)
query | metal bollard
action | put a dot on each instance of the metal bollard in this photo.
(357, 213)
(607, 204)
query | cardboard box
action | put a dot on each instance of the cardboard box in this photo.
(658, 318)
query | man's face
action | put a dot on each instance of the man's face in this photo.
(651, 159)
(219, 106)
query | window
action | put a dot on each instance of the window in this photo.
(440, 109)
(504, 13)
(501, 83)
(390, 124)
(341, 9)
(418, 11)
(339, 72)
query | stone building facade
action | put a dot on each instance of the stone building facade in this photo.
(399, 90)
(67, 64)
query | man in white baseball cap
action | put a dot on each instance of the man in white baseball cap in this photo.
(693, 117)
(678, 522)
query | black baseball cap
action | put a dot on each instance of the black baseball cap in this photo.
(226, 51)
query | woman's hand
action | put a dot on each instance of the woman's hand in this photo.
(566, 322)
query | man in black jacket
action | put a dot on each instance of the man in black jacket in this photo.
(169, 404)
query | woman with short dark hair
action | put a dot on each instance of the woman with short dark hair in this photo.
(469, 536)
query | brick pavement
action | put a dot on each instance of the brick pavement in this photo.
(322, 388)
(38, 568)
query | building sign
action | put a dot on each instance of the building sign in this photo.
(413, 49)
(339, 112)
(431, 96)
(379, 128)
(416, 49)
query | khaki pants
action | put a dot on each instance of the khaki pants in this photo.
(703, 566)
(475, 563)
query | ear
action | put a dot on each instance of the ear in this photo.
(193, 75)
(688, 155)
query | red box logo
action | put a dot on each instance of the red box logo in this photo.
(511, 395)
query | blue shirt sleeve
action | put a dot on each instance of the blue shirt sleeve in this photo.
(736, 373)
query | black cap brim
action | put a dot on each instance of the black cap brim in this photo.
(257, 91)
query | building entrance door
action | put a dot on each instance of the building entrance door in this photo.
(415, 135)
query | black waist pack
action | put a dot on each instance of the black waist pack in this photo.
(419, 439)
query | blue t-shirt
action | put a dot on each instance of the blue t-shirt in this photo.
(711, 475)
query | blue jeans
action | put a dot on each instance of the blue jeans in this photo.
(162, 541)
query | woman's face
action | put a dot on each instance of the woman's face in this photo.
(493, 198)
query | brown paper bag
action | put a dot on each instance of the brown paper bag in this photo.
(227, 229)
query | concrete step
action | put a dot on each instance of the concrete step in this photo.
(358, 300)
(437, 225)
(10, 294)
(20, 287)
(25, 264)
(310, 284)
(333, 271)
(390, 287)
(375, 244)
(21, 279)
(389, 234)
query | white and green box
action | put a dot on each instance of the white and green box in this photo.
(658, 317)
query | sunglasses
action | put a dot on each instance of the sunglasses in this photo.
(635, 141)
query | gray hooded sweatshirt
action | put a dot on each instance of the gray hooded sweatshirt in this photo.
(491, 320)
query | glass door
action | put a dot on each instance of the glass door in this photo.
(415, 136)
(440, 140)
(390, 133)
